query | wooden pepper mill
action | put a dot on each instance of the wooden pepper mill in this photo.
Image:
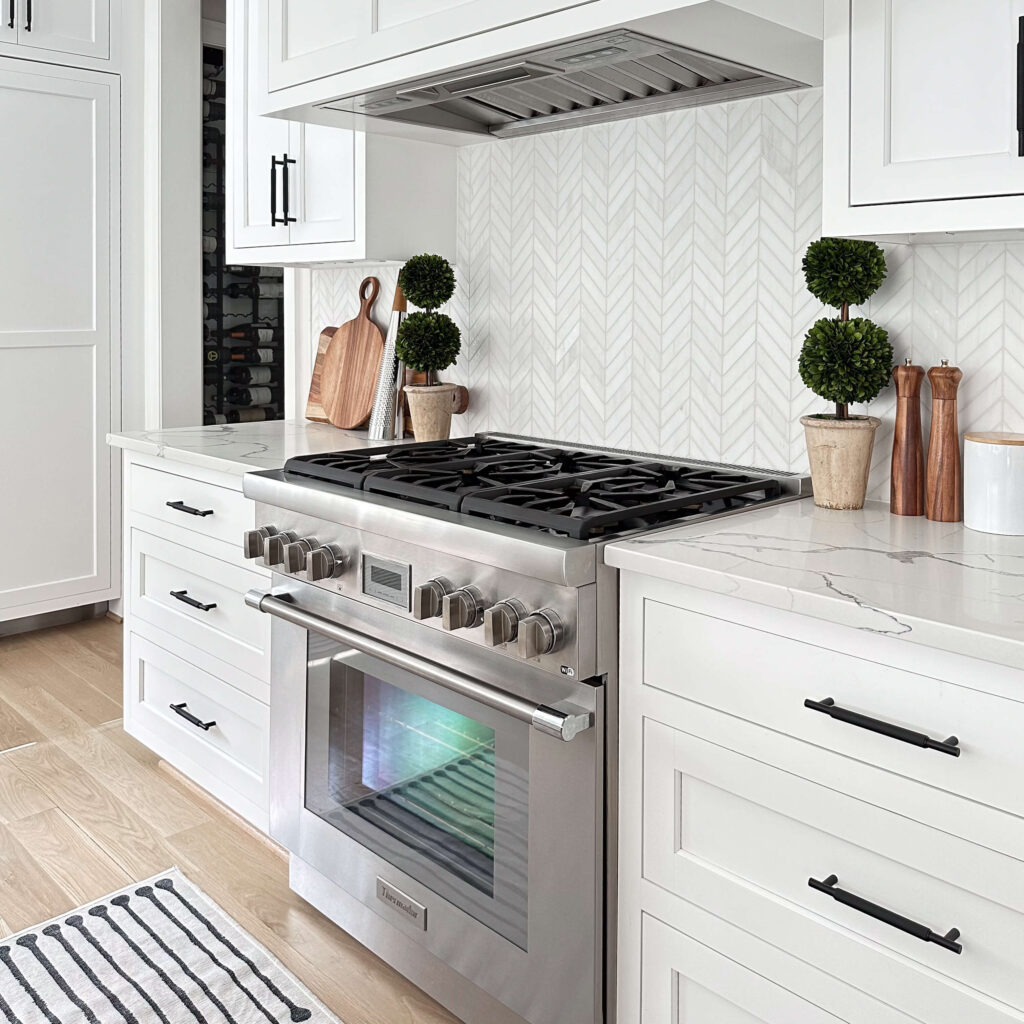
(944, 501)
(906, 486)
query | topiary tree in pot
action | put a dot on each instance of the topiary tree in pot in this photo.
(428, 342)
(843, 360)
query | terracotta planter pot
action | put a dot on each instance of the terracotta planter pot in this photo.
(840, 456)
(430, 406)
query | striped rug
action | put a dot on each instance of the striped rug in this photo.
(158, 952)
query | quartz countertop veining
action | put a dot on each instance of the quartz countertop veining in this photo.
(936, 584)
(241, 447)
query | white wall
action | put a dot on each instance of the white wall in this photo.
(638, 284)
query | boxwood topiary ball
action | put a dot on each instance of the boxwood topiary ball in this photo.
(427, 341)
(427, 281)
(846, 361)
(841, 270)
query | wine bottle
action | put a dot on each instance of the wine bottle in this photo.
(258, 334)
(212, 417)
(252, 375)
(210, 241)
(253, 414)
(213, 111)
(257, 395)
(213, 89)
(254, 290)
(213, 201)
(211, 134)
(209, 161)
(250, 355)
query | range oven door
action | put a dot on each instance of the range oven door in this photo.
(466, 815)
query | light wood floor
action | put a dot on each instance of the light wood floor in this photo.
(85, 809)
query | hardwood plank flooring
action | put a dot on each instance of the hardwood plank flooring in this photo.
(85, 809)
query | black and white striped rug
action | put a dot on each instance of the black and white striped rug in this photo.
(158, 952)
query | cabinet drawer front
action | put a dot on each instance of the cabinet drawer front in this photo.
(684, 981)
(766, 679)
(224, 626)
(232, 752)
(707, 808)
(226, 513)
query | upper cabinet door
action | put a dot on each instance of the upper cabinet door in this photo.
(312, 39)
(933, 100)
(59, 316)
(299, 30)
(65, 26)
(255, 187)
(326, 196)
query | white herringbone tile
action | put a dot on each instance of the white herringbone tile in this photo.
(638, 284)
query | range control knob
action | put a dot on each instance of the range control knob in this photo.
(274, 545)
(295, 553)
(462, 609)
(428, 597)
(540, 633)
(326, 563)
(253, 541)
(501, 622)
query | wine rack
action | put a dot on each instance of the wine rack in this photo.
(245, 301)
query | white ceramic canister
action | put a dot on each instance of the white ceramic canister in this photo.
(994, 483)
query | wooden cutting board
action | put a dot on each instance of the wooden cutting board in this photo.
(314, 407)
(348, 379)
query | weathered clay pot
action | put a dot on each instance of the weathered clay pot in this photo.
(840, 456)
(430, 406)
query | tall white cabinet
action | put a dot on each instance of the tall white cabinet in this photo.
(59, 330)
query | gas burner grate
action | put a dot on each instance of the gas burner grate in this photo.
(567, 492)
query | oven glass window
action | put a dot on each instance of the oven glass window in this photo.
(432, 787)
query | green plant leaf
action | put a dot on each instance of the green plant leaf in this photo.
(846, 361)
(428, 341)
(843, 270)
(427, 281)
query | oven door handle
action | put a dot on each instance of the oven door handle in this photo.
(562, 720)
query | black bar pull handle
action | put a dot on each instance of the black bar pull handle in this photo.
(1020, 85)
(182, 595)
(904, 924)
(180, 506)
(273, 190)
(285, 161)
(182, 711)
(28, 15)
(950, 745)
(10, 23)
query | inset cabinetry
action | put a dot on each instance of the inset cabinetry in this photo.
(921, 117)
(59, 334)
(78, 27)
(300, 194)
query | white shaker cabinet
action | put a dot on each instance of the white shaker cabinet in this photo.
(59, 340)
(310, 39)
(301, 194)
(921, 117)
(76, 27)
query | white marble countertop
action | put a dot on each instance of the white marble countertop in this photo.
(937, 584)
(241, 447)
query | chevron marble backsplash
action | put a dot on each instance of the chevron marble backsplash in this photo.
(637, 284)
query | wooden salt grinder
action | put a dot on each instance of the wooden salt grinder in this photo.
(906, 487)
(944, 501)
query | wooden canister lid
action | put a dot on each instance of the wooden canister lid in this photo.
(994, 437)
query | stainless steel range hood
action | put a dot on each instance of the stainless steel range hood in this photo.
(607, 76)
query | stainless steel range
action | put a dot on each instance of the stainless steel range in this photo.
(443, 701)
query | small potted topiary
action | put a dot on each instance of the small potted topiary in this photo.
(428, 342)
(843, 360)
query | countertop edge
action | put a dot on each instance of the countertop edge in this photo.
(948, 637)
(181, 455)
